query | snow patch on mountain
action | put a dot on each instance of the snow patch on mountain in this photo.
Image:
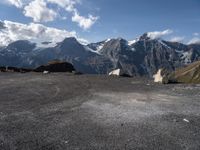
(107, 40)
(162, 43)
(99, 47)
(186, 56)
(133, 49)
(91, 50)
(133, 42)
(179, 51)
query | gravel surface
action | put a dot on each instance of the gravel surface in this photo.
(85, 112)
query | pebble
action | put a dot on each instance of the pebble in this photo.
(186, 120)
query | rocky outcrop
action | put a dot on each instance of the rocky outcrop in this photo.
(14, 69)
(158, 77)
(164, 76)
(53, 66)
(56, 66)
(116, 72)
(119, 72)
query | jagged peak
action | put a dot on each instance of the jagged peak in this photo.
(68, 41)
(21, 43)
(145, 36)
(71, 39)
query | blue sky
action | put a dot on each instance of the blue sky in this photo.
(113, 18)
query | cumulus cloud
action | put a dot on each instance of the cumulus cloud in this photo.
(33, 32)
(38, 10)
(159, 34)
(16, 3)
(177, 39)
(84, 22)
(68, 5)
(194, 40)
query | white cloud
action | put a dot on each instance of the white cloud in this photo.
(159, 34)
(38, 10)
(34, 32)
(196, 34)
(16, 3)
(177, 39)
(84, 22)
(68, 5)
(194, 40)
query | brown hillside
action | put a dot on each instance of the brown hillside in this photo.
(189, 74)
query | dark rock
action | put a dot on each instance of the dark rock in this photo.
(14, 69)
(56, 66)
(2, 25)
(46, 43)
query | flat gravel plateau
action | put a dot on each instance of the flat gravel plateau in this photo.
(61, 111)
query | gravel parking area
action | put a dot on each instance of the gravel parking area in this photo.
(61, 111)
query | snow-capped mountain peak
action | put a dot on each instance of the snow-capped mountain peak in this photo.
(142, 56)
(133, 41)
(107, 40)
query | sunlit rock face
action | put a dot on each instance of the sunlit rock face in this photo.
(158, 78)
(116, 72)
(163, 76)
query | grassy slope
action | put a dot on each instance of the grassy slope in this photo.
(189, 74)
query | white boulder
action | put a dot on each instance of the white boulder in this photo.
(116, 72)
(158, 78)
(45, 72)
(161, 77)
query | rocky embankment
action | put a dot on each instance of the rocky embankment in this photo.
(53, 66)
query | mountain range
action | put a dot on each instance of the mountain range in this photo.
(141, 57)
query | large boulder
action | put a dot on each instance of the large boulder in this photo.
(158, 78)
(164, 76)
(56, 66)
(116, 72)
(119, 72)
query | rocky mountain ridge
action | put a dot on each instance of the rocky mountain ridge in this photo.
(143, 56)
